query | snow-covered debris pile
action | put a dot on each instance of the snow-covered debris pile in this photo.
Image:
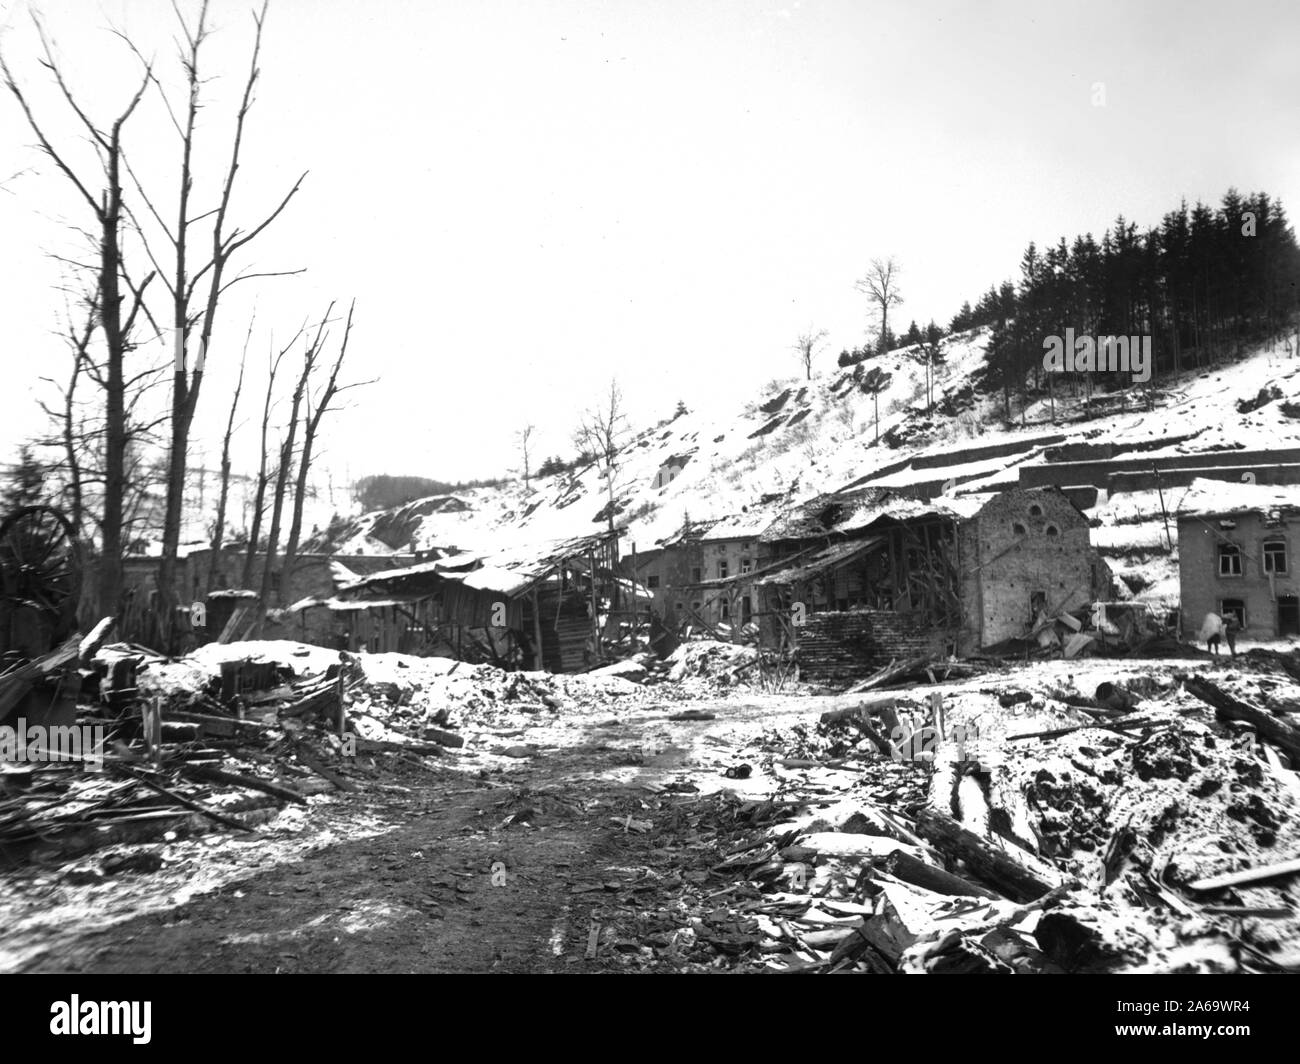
(723, 663)
(398, 695)
(633, 669)
(202, 668)
(1026, 826)
(417, 697)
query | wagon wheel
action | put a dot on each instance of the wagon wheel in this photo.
(40, 566)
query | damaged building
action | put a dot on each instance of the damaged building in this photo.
(700, 575)
(220, 584)
(858, 579)
(547, 610)
(1235, 557)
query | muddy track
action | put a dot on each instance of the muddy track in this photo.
(455, 875)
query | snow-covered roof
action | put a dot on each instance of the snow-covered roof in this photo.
(957, 507)
(1206, 497)
(739, 526)
(494, 578)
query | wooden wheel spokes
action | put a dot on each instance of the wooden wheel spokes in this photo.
(38, 558)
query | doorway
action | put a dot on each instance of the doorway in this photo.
(1288, 615)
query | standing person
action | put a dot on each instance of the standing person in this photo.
(1230, 628)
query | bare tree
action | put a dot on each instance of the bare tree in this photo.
(71, 432)
(310, 354)
(925, 355)
(873, 382)
(807, 348)
(219, 526)
(525, 436)
(263, 473)
(195, 280)
(77, 477)
(311, 429)
(880, 286)
(115, 320)
(599, 432)
(196, 290)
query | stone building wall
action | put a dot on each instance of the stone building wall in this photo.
(1270, 600)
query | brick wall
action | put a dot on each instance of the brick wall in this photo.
(854, 644)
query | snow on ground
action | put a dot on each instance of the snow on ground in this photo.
(800, 438)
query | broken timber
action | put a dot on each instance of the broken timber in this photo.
(904, 866)
(1247, 875)
(1285, 735)
(995, 866)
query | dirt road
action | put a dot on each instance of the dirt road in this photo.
(476, 867)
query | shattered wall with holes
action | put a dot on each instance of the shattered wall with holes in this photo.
(1025, 548)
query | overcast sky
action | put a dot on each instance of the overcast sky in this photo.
(529, 197)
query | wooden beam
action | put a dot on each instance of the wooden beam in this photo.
(1247, 875)
(1226, 707)
(540, 660)
(595, 606)
(995, 866)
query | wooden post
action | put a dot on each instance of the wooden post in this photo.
(595, 606)
(1160, 491)
(343, 713)
(539, 660)
(634, 595)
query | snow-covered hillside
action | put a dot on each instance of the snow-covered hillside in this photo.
(798, 439)
(795, 441)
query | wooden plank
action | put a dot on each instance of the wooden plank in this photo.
(215, 775)
(1226, 707)
(1248, 875)
(909, 869)
(185, 802)
(15, 683)
(236, 619)
(995, 866)
(308, 758)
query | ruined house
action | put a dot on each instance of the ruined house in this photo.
(544, 609)
(1026, 554)
(313, 574)
(859, 579)
(1235, 557)
(701, 574)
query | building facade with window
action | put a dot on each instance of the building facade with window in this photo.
(1236, 557)
(698, 573)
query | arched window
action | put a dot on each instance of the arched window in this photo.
(1052, 530)
(1018, 529)
(1035, 511)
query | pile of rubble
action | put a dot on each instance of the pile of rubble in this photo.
(231, 729)
(720, 664)
(1148, 827)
